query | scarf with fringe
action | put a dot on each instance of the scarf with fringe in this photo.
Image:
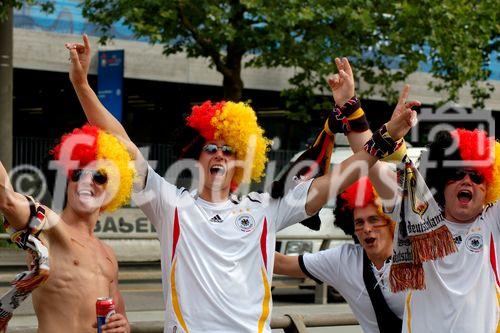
(421, 234)
(25, 282)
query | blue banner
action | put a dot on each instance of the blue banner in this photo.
(110, 81)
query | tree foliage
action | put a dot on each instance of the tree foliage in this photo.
(5, 5)
(385, 40)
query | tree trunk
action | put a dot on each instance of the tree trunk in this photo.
(233, 86)
(6, 88)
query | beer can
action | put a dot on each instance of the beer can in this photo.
(105, 308)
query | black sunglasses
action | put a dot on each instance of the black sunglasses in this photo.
(98, 177)
(212, 149)
(460, 174)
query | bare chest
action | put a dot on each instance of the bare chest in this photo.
(83, 266)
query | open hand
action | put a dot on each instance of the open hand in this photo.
(403, 118)
(342, 84)
(80, 61)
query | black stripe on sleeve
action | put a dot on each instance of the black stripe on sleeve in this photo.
(253, 200)
(306, 272)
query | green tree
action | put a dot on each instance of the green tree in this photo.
(5, 5)
(386, 40)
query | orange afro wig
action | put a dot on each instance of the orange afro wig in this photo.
(91, 145)
(236, 124)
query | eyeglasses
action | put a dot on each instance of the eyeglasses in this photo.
(212, 149)
(98, 177)
(374, 221)
(460, 174)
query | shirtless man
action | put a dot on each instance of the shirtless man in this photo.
(83, 268)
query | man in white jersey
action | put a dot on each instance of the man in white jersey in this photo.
(217, 250)
(358, 271)
(462, 288)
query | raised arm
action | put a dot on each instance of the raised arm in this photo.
(13, 206)
(287, 265)
(343, 88)
(347, 172)
(95, 112)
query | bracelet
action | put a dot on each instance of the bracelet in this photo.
(398, 155)
(347, 118)
(359, 124)
(350, 107)
(337, 122)
(381, 144)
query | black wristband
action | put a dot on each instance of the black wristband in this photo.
(349, 107)
(381, 144)
(338, 121)
(359, 124)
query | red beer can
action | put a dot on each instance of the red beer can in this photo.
(105, 308)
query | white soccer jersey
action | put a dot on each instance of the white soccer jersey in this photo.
(342, 268)
(461, 289)
(217, 259)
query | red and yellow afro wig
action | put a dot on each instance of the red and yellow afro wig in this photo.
(91, 145)
(236, 124)
(358, 195)
(462, 148)
(476, 146)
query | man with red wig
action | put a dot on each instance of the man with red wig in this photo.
(96, 167)
(360, 271)
(461, 290)
(217, 249)
(446, 244)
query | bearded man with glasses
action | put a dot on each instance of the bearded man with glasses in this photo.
(97, 169)
(360, 271)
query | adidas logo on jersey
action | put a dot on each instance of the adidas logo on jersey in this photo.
(216, 219)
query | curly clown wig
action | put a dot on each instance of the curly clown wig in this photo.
(475, 150)
(358, 195)
(236, 124)
(91, 145)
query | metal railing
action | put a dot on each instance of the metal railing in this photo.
(290, 323)
(35, 151)
(320, 290)
(325, 245)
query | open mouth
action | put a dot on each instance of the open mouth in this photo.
(217, 170)
(464, 196)
(369, 240)
(85, 194)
